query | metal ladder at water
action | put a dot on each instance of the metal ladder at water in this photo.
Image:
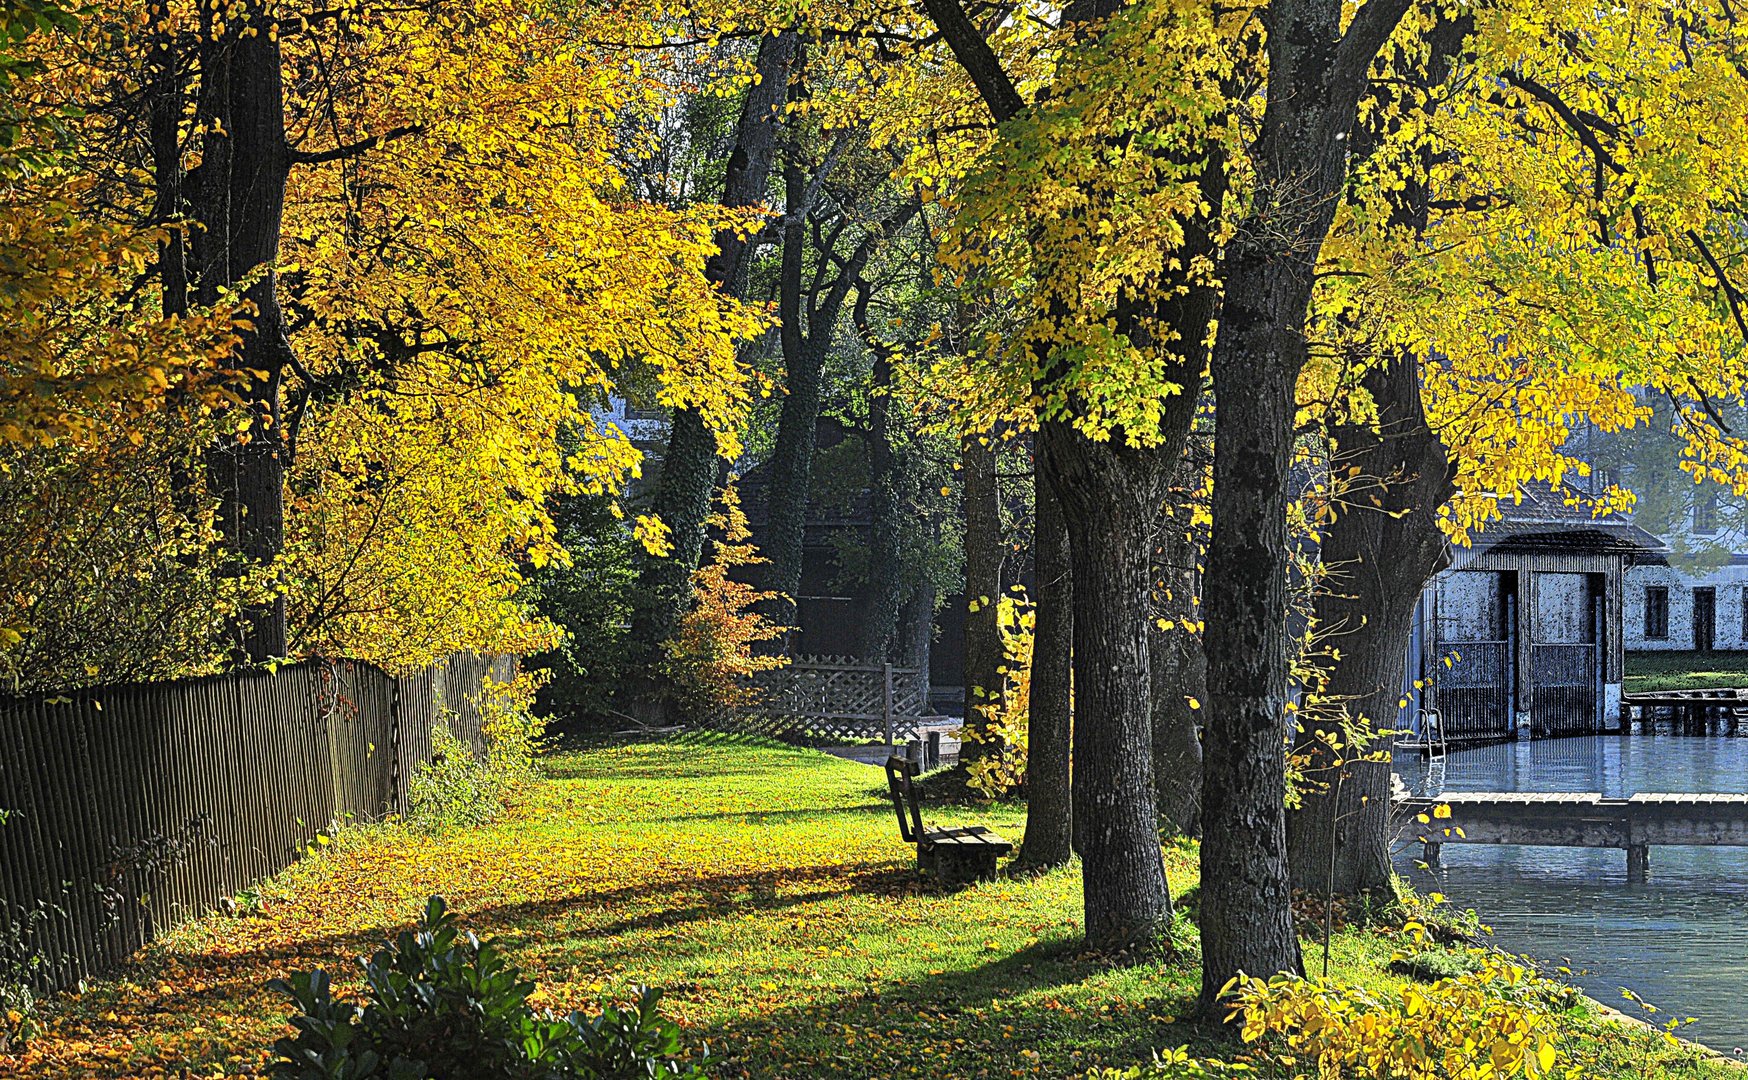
(1429, 742)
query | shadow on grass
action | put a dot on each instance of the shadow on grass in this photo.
(1016, 1015)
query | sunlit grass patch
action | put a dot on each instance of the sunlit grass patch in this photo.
(764, 886)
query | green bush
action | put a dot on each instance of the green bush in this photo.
(457, 788)
(443, 1005)
(454, 789)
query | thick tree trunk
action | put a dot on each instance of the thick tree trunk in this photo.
(689, 467)
(1315, 78)
(1247, 921)
(1381, 549)
(1379, 552)
(238, 199)
(1179, 666)
(983, 551)
(1049, 721)
(1109, 496)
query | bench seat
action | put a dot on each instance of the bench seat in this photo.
(954, 856)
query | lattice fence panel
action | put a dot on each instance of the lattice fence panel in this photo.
(833, 699)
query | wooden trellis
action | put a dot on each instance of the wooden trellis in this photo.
(835, 699)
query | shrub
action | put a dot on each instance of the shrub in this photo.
(712, 656)
(1005, 720)
(457, 788)
(1497, 1020)
(443, 1005)
(454, 789)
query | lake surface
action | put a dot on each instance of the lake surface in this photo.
(1680, 940)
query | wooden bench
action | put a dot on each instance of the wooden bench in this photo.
(955, 856)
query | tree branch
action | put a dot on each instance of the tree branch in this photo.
(978, 59)
(1371, 27)
(352, 150)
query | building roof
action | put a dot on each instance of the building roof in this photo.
(1557, 519)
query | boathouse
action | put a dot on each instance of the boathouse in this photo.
(1521, 637)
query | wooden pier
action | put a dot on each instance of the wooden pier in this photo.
(1688, 712)
(1578, 819)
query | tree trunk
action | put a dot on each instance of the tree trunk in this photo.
(1379, 552)
(1316, 75)
(1179, 666)
(983, 551)
(809, 329)
(689, 467)
(1247, 920)
(1049, 721)
(917, 630)
(238, 200)
(885, 475)
(1109, 497)
(791, 468)
(1381, 549)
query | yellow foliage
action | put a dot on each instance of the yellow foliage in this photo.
(1005, 719)
(1497, 1021)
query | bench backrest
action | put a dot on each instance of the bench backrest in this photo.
(910, 819)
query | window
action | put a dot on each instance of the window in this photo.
(1608, 477)
(1705, 515)
(1656, 611)
(1745, 613)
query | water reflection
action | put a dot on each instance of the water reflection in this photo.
(1679, 940)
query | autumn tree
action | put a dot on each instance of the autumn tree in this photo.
(1468, 391)
(1112, 359)
(459, 278)
(689, 465)
(837, 208)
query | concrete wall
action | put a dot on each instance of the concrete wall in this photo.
(1728, 629)
(1563, 609)
(1469, 606)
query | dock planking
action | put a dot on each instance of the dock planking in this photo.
(1579, 819)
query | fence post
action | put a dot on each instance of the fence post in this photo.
(886, 707)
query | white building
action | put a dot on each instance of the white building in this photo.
(1696, 597)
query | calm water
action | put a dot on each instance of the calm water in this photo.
(1680, 941)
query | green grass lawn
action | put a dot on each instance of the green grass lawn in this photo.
(764, 886)
(1648, 672)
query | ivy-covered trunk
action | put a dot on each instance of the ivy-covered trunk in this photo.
(690, 464)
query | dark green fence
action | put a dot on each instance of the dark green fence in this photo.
(128, 810)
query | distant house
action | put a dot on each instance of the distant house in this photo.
(1693, 593)
(1522, 636)
(1697, 596)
